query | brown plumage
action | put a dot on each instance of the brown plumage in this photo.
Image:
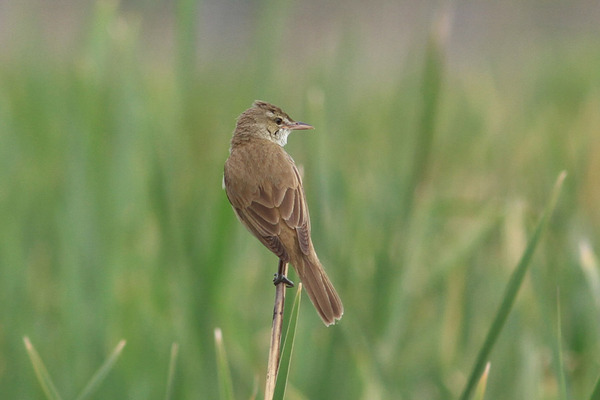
(265, 189)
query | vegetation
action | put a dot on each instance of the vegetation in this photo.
(425, 187)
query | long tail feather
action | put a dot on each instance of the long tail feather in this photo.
(320, 290)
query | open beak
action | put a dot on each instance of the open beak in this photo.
(299, 126)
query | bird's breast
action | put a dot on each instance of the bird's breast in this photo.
(256, 166)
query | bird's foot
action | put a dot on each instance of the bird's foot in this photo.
(280, 278)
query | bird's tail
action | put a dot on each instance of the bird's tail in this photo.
(319, 288)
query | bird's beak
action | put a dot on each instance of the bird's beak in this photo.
(299, 126)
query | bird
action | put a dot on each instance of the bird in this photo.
(266, 193)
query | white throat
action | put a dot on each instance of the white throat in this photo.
(281, 138)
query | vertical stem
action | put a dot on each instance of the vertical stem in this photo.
(276, 330)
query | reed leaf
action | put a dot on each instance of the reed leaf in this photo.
(511, 291)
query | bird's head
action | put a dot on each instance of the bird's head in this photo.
(269, 122)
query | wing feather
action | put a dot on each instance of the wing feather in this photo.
(267, 215)
(300, 216)
(286, 207)
(275, 202)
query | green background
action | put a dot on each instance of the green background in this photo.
(427, 171)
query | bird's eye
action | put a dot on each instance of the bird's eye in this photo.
(278, 121)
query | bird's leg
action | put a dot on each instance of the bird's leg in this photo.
(280, 276)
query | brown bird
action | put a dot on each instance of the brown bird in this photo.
(265, 189)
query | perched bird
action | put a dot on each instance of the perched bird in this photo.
(264, 187)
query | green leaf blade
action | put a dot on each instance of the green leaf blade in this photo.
(288, 347)
(41, 372)
(511, 291)
(225, 381)
(99, 376)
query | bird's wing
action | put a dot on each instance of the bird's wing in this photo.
(274, 202)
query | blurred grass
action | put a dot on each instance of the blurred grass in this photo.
(41, 372)
(480, 390)
(225, 383)
(172, 369)
(511, 292)
(114, 224)
(287, 347)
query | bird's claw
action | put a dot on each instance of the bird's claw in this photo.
(280, 278)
